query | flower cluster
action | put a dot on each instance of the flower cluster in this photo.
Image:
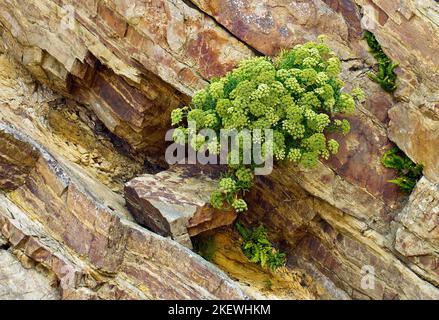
(258, 248)
(297, 95)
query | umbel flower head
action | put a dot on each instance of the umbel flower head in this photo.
(297, 94)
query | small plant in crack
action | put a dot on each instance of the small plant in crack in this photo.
(258, 248)
(386, 76)
(205, 247)
(298, 96)
(408, 172)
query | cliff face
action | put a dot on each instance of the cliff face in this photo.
(111, 72)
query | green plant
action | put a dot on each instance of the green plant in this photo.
(205, 247)
(296, 94)
(258, 248)
(408, 172)
(386, 76)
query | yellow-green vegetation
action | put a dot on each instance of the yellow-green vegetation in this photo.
(408, 172)
(258, 248)
(386, 76)
(297, 94)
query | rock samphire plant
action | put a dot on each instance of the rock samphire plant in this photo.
(386, 76)
(408, 172)
(297, 94)
(258, 248)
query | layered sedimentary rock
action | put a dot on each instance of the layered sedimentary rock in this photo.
(354, 181)
(19, 283)
(417, 237)
(286, 283)
(270, 26)
(74, 227)
(123, 60)
(63, 126)
(408, 32)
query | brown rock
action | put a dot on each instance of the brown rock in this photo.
(414, 120)
(417, 133)
(16, 161)
(417, 239)
(175, 203)
(273, 25)
(356, 171)
(131, 63)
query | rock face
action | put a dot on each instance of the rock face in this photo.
(175, 203)
(123, 60)
(354, 181)
(417, 237)
(272, 25)
(90, 244)
(66, 233)
(414, 119)
(123, 66)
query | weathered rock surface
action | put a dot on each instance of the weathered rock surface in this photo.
(354, 181)
(270, 26)
(417, 238)
(356, 172)
(408, 32)
(336, 241)
(64, 127)
(64, 225)
(285, 283)
(175, 203)
(71, 225)
(123, 60)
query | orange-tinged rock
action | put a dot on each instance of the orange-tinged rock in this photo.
(175, 203)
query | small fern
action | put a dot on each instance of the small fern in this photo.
(385, 77)
(258, 248)
(298, 95)
(408, 172)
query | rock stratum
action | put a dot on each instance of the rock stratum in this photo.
(89, 209)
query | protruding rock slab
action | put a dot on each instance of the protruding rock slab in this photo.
(175, 203)
(269, 26)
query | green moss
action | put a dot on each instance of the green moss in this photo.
(386, 76)
(408, 172)
(258, 248)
